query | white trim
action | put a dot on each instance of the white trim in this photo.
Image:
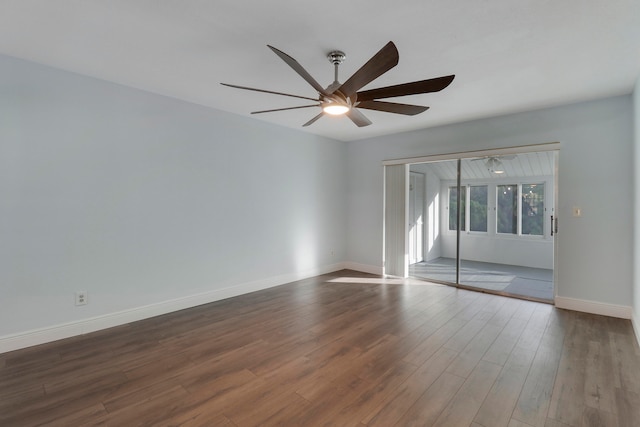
(84, 326)
(364, 268)
(549, 146)
(635, 322)
(593, 307)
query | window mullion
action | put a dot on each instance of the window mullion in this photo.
(519, 213)
(495, 209)
(467, 208)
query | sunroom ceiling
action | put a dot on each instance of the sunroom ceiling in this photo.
(524, 165)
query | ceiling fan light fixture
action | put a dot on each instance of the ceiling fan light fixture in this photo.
(495, 166)
(335, 109)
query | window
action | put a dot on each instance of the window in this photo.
(476, 212)
(478, 208)
(519, 209)
(507, 209)
(533, 209)
(453, 207)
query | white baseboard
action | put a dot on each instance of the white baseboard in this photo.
(364, 268)
(611, 310)
(84, 326)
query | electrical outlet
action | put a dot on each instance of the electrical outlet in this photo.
(81, 297)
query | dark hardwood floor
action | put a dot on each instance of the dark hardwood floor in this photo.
(344, 349)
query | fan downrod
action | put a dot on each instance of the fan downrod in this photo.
(336, 57)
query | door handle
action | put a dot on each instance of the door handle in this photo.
(554, 225)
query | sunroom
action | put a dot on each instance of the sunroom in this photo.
(485, 223)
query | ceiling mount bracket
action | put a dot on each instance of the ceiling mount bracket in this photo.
(336, 57)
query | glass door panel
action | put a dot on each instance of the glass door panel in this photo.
(505, 244)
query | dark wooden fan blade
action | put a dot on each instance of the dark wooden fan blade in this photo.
(414, 88)
(299, 69)
(284, 109)
(313, 120)
(358, 118)
(392, 107)
(269, 91)
(380, 63)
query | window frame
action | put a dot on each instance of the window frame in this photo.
(492, 208)
(467, 209)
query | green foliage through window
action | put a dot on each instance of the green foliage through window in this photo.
(530, 217)
(453, 207)
(478, 208)
(533, 209)
(507, 209)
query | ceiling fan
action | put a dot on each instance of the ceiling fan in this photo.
(494, 163)
(346, 98)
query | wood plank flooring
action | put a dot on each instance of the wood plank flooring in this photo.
(344, 349)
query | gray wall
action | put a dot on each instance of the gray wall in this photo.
(595, 173)
(140, 199)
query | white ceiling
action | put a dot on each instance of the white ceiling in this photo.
(508, 56)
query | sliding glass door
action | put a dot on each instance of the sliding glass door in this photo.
(488, 224)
